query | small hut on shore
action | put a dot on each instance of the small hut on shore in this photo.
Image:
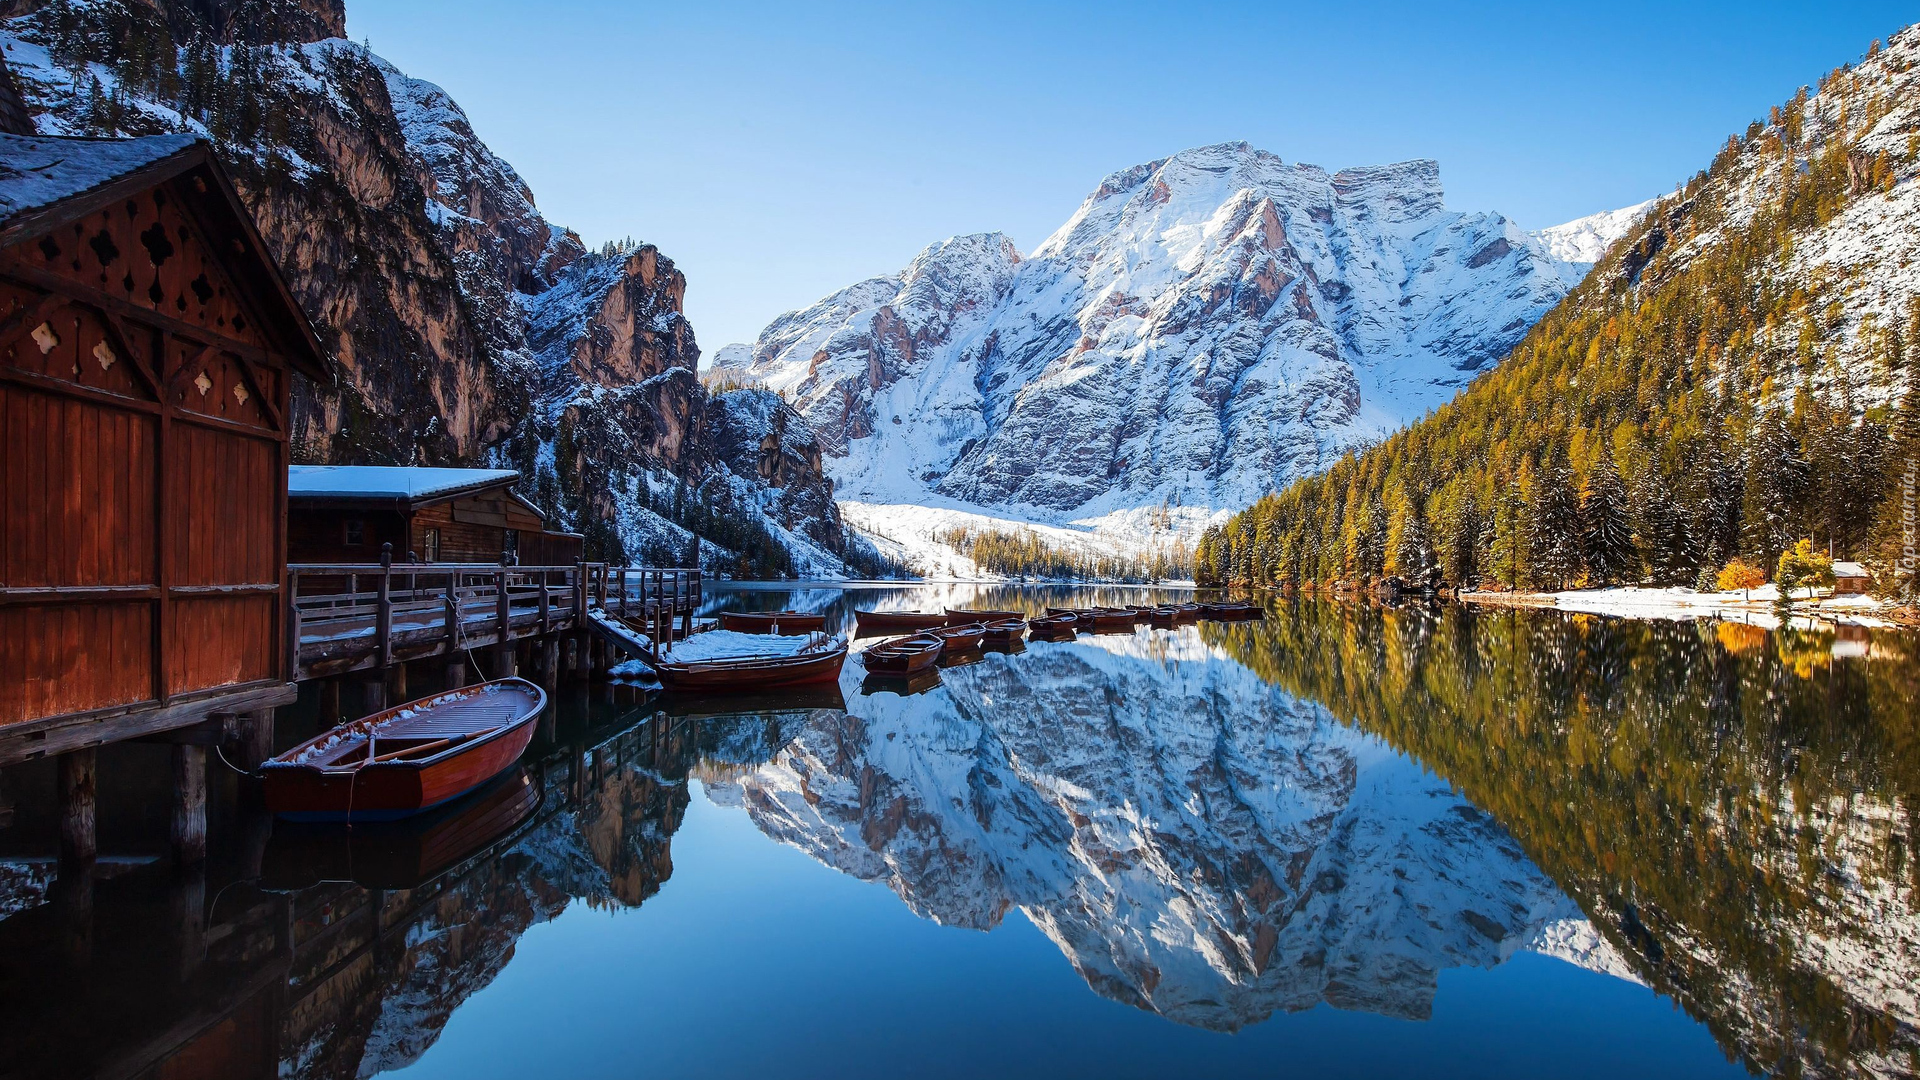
(347, 513)
(147, 350)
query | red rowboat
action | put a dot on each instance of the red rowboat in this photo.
(772, 622)
(903, 658)
(739, 674)
(407, 758)
(1111, 620)
(959, 639)
(1187, 612)
(1061, 627)
(1163, 617)
(870, 622)
(966, 616)
(1005, 631)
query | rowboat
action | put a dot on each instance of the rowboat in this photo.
(1231, 610)
(880, 622)
(402, 854)
(816, 663)
(905, 657)
(1163, 617)
(1110, 620)
(408, 758)
(772, 622)
(961, 639)
(966, 616)
(1187, 612)
(1005, 632)
(1061, 627)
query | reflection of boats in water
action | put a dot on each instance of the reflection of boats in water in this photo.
(684, 705)
(907, 686)
(406, 759)
(400, 854)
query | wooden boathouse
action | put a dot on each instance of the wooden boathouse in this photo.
(346, 513)
(147, 349)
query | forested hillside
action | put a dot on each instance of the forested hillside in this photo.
(1735, 374)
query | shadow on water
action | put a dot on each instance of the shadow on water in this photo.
(1216, 824)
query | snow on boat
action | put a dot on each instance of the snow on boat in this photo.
(772, 622)
(904, 658)
(408, 758)
(735, 662)
(880, 622)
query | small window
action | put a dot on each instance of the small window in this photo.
(431, 548)
(356, 532)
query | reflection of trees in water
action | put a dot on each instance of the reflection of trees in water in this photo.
(603, 836)
(1736, 808)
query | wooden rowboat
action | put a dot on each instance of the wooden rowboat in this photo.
(408, 758)
(1163, 617)
(1187, 612)
(817, 663)
(904, 658)
(870, 622)
(772, 622)
(1005, 632)
(1111, 620)
(967, 616)
(1054, 627)
(1230, 610)
(961, 639)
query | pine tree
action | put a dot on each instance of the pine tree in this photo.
(1553, 535)
(1607, 539)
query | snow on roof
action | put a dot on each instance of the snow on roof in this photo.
(387, 481)
(1849, 569)
(40, 170)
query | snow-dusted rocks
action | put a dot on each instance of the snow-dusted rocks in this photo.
(1580, 243)
(1202, 328)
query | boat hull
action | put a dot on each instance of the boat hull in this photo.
(967, 617)
(734, 677)
(301, 786)
(883, 621)
(787, 623)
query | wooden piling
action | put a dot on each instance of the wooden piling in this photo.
(329, 702)
(374, 693)
(188, 829)
(397, 683)
(78, 844)
(256, 736)
(456, 672)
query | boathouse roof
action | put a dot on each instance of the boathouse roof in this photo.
(1849, 570)
(47, 182)
(390, 483)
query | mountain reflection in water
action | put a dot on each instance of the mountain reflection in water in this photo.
(1216, 825)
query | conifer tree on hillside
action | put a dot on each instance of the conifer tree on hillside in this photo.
(1607, 538)
(1554, 529)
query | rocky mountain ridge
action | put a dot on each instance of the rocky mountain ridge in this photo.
(436, 282)
(1203, 328)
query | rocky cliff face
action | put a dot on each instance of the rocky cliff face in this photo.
(1203, 328)
(1196, 842)
(424, 263)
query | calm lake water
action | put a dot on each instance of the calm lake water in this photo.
(1347, 841)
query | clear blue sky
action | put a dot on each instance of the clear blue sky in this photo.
(780, 151)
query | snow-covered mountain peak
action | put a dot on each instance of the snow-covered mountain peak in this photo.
(1203, 328)
(1584, 240)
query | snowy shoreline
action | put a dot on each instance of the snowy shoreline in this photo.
(1757, 607)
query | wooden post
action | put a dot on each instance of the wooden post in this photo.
(623, 592)
(397, 682)
(375, 692)
(686, 611)
(78, 844)
(383, 616)
(456, 671)
(293, 625)
(550, 662)
(188, 832)
(502, 617)
(256, 737)
(330, 701)
(452, 613)
(544, 628)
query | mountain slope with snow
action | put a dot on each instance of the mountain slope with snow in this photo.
(1203, 328)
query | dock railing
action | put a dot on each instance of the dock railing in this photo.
(353, 616)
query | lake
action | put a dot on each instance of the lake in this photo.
(1349, 840)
